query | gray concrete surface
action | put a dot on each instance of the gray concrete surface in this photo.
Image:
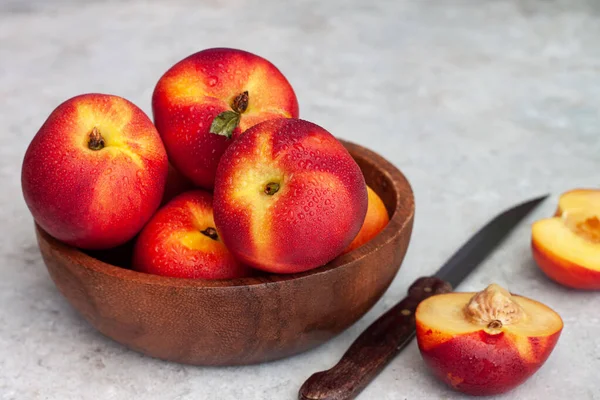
(481, 103)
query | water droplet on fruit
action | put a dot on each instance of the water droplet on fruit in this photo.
(81, 169)
(139, 173)
(125, 179)
(108, 171)
(212, 81)
(310, 203)
(311, 213)
(306, 208)
(327, 202)
(301, 215)
(230, 76)
(315, 199)
(237, 71)
(211, 108)
(128, 159)
(291, 214)
(200, 125)
(112, 177)
(301, 164)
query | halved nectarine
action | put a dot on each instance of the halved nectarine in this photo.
(485, 343)
(567, 246)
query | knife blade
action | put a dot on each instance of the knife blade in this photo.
(390, 333)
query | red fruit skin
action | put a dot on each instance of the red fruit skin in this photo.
(481, 364)
(171, 243)
(195, 90)
(564, 272)
(317, 212)
(94, 199)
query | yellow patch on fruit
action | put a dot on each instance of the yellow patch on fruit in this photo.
(185, 86)
(194, 240)
(111, 119)
(249, 181)
(111, 122)
(570, 237)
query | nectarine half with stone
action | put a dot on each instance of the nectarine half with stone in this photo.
(488, 342)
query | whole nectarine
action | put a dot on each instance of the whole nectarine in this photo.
(288, 196)
(485, 343)
(181, 241)
(210, 95)
(95, 172)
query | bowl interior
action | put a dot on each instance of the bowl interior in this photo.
(385, 179)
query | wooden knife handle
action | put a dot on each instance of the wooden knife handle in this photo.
(374, 348)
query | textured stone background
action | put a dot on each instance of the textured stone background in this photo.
(481, 103)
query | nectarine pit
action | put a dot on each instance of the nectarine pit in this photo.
(211, 233)
(589, 229)
(96, 141)
(494, 308)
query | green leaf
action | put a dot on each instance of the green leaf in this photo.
(225, 123)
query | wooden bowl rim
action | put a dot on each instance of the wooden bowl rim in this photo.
(402, 215)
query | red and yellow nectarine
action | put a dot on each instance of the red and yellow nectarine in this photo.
(181, 241)
(210, 95)
(485, 343)
(288, 196)
(567, 246)
(95, 172)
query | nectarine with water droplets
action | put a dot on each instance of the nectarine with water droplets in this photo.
(488, 342)
(181, 241)
(288, 196)
(207, 97)
(95, 172)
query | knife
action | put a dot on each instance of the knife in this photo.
(388, 335)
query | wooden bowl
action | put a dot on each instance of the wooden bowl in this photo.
(241, 321)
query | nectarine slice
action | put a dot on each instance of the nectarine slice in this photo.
(488, 342)
(567, 246)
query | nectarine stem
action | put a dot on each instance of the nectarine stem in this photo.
(240, 103)
(211, 233)
(271, 188)
(96, 141)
